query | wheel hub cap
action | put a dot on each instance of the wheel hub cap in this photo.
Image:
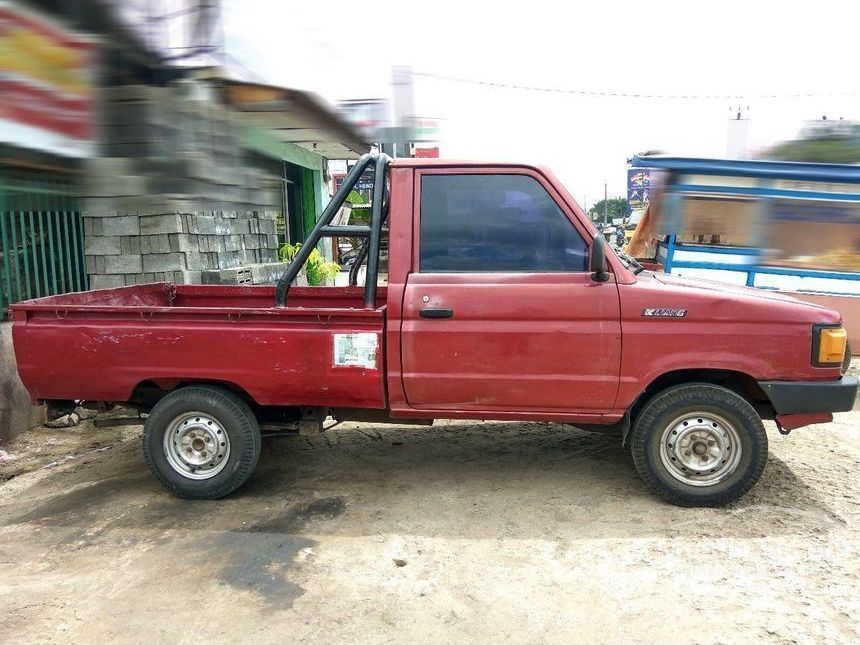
(196, 445)
(700, 449)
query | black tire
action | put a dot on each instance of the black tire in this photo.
(734, 422)
(231, 416)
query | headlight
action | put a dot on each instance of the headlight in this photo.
(828, 345)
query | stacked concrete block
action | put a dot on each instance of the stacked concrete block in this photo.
(177, 247)
(254, 274)
(171, 198)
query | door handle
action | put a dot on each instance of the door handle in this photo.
(436, 313)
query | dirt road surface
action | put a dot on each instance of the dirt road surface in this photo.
(464, 532)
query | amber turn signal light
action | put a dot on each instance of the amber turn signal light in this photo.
(829, 345)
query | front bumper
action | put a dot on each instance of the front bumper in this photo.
(799, 397)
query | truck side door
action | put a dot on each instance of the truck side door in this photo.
(500, 312)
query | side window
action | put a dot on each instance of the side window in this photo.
(493, 223)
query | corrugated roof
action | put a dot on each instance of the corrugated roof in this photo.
(292, 116)
(831, 172)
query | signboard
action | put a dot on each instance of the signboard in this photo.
(426, 129)
(638, 186)
(427, 153)
(47, 84)
(363, 185)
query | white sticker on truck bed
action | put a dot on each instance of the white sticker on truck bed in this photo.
(355, 350)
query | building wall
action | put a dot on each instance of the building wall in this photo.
(315, 190)
(16, 412)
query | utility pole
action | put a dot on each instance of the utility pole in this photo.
(605, 206)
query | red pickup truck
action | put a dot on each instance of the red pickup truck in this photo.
(501, 302)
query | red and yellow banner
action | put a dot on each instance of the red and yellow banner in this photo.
(47, 90)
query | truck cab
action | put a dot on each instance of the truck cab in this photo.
(501, 302)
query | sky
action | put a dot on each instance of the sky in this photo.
(345, 50)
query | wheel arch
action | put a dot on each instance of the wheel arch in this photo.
(150, 391)
(738, 382)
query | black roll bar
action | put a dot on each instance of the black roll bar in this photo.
(323, 228)
(372, 274)
(361, 256)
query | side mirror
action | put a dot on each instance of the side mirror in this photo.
(597, 262)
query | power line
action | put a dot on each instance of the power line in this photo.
(630, 95)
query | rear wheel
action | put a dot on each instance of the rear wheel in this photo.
(699, 445)
(201, 442)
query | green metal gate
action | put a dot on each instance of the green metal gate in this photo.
(41, 238)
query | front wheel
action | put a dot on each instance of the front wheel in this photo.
(699, 445)
(201, 442)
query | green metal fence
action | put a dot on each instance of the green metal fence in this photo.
(41, 238)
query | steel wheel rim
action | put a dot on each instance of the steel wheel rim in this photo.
(700, 448)
(196, 445)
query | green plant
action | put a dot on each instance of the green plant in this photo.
(355, 197)
(317, 268)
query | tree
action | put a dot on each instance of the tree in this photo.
(821, 141)
(615, 207)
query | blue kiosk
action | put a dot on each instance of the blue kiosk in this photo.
(786, 226)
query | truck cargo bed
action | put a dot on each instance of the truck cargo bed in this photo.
(102, 345)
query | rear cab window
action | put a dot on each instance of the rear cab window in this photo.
(485, 223)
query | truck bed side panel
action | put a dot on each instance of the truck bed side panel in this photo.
(279, 357)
